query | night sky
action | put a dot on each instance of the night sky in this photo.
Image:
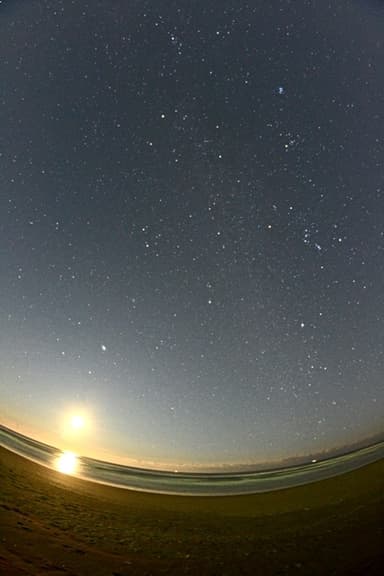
(192, 227)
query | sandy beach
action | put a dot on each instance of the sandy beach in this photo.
(56, 524)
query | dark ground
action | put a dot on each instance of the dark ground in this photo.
(54, 524)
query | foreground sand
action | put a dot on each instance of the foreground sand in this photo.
(54, 524)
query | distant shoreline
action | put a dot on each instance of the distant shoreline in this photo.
(58, 523)
(193, 483)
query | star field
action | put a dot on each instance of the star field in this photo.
(191, 224)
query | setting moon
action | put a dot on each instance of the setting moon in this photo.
(77, 422)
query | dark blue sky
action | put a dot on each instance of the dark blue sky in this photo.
(191, 226)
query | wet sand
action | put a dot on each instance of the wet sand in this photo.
(56, 524)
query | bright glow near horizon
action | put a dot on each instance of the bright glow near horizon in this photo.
(67, 463)
(77, 422)
(180, 292)
(74, 429)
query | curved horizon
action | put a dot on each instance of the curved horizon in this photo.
(187, 468)
(190, 483)
(191, 228)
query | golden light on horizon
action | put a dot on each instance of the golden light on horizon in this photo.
(75, 427)
(67, 463)
(77, 422)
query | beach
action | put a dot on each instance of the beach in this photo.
(53, 523)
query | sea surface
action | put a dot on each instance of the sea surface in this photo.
(191, 483)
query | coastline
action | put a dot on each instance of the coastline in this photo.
(55, 522)
(193, 483)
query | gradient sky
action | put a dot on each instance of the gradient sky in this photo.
(192, 226)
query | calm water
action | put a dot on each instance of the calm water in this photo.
(210, 484)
